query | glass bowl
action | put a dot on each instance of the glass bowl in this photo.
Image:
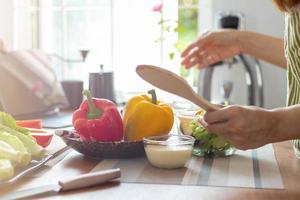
(296, 145)
(169, 151)
(206, 144)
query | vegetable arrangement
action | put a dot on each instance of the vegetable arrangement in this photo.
(99, 119)
(17, 146)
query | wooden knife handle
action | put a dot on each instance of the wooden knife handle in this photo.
(90, 179)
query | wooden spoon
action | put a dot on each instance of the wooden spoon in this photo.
(171, 82)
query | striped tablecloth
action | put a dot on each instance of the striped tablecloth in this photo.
(252, 169)
(248, 169)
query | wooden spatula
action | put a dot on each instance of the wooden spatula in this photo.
(171, 82)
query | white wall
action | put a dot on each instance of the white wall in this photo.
(261, 16)
(6, 22)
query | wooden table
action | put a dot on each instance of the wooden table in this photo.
(75, 164)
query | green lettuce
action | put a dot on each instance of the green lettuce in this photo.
(209, 142)
(36, 151)
(8, 125)
(6, 169)
(17, 145)
(7, 152)
(7, 120)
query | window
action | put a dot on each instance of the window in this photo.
(120, 34)
(188, 14)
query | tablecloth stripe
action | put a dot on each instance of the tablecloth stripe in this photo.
(240, 172)
(191, 175)
(205, 171)
(219, 172)
(270, 173)
(256, 171)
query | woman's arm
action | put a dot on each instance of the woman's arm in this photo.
(287, 123)
(267, 48)
(248, 127)
(214, 46)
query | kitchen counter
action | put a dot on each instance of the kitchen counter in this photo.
(74, 164)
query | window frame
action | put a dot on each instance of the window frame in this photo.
(41, 12)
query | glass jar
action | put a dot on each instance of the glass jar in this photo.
(296, 145)
(228, 150)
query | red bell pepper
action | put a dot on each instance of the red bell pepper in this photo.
(98, 120)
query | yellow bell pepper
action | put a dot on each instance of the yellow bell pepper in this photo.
(145, 116)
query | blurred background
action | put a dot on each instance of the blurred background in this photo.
(120, 34)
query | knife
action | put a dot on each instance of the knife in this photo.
(82, 181)
(34, 167)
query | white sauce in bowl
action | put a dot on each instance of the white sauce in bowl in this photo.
(169, 156)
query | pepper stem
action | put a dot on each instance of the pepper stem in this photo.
(153, 96)
(93, 112)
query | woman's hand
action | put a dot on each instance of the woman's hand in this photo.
(244, 127)
(210, 48)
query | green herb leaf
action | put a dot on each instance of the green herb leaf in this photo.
(9, 121)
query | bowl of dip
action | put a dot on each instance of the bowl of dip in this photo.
(169, 151)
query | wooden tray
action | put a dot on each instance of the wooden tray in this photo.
(102, 150)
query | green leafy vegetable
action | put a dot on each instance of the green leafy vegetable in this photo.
(7, 152)
(8, 125)
(17, 145)
(6, 169)
(208, 142)
(36, 151)
(9, 121)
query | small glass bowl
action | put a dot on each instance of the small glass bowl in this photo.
(296, 145)
(169, 151)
